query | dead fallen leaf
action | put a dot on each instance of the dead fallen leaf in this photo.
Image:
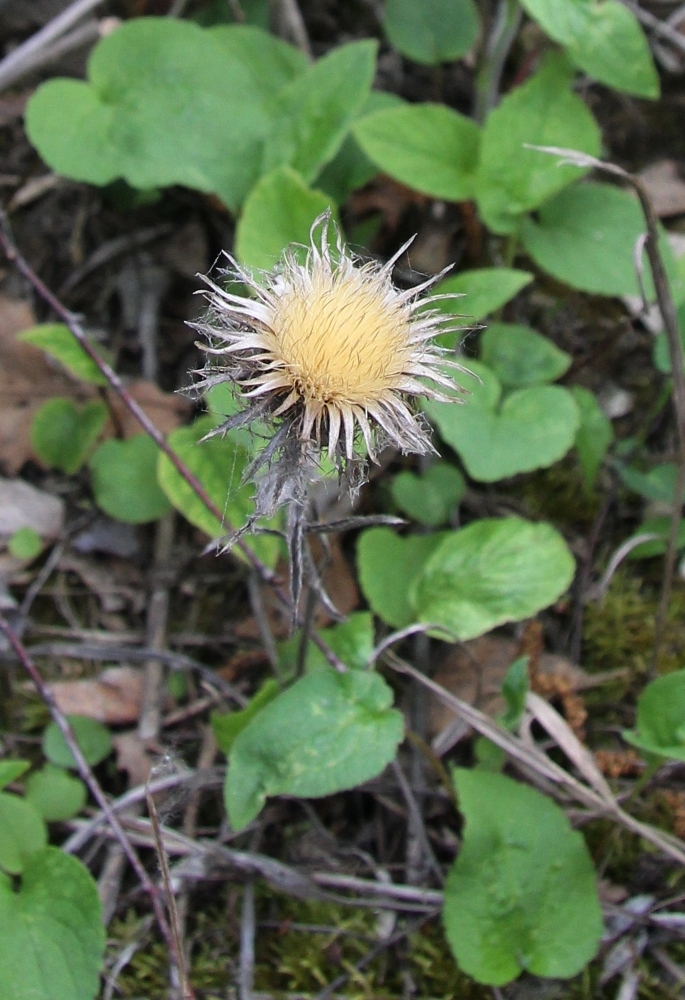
(474, 672)
(113, 698)
(133, 757)
(665, 187)
(165, 409)
(25, 506)
(386, 196)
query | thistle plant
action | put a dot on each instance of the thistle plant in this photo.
(330, 358)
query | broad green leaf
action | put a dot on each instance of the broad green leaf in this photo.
(657, 484)
(430, 498)
(522, 893)
(218, 464)
(660, 723)
(531, 429)
(544, 111)
(326, 733)
(520, 357)
(25, 543)
(22, 833)
(124, 479)
(57, 340)
(586, 237)
(63, 434)
(51, 930)
(94, 741)
(431, 31)
(10, 770)
(280, 210)
(227, 726)
(351, 168)
(494, 571)
(387, 566)
(313, 114)
(55, 794)
(603, 38)
(484, 291)
(428, 147)
(166, 102)
(594, 434)
(352, 641)
(660, 526)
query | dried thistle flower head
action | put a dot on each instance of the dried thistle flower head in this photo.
(329, 354)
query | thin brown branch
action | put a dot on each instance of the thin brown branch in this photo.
(87, 775)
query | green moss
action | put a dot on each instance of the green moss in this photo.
(619, 631)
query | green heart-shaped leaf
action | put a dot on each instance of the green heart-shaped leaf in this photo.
(521, 357)
(387, 566)
(93, 739)
(124, 475)
(494, 571)
(62, 433)
(522, 893)
(661, 718)
(51, 931)
(603, 38)
(532, 429)
(22, 833)
(155, 110)
(327, 732)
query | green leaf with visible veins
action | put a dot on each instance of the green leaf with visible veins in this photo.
(51, 930)
(327, 732)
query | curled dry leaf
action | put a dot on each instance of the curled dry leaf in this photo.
(25, 506)
(474, 671)
(114, 697)
(132, 757)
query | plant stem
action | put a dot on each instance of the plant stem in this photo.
(504, 29)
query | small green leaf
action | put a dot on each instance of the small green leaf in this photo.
(280, 210)
(494, 571)
(93, 739)
(313, 114)
(594, 434)
(218, 463)
(227, 726)
(604, 39)
(57, 340)
(431, 31)
(124, 476)
(657, 484)
(10, 770)
(430, 498)
(52, 933)
(63, 434)
(544, 111)
(22, 833)
(352, 642)
(387, 565)
(660, 526)
(661, 718)
(428, 147)
(55, 794)
(520, 357)
(25, 543)
(531, 429)
(586, 237)
(522, 894)
(327, 732)
(485, 290)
